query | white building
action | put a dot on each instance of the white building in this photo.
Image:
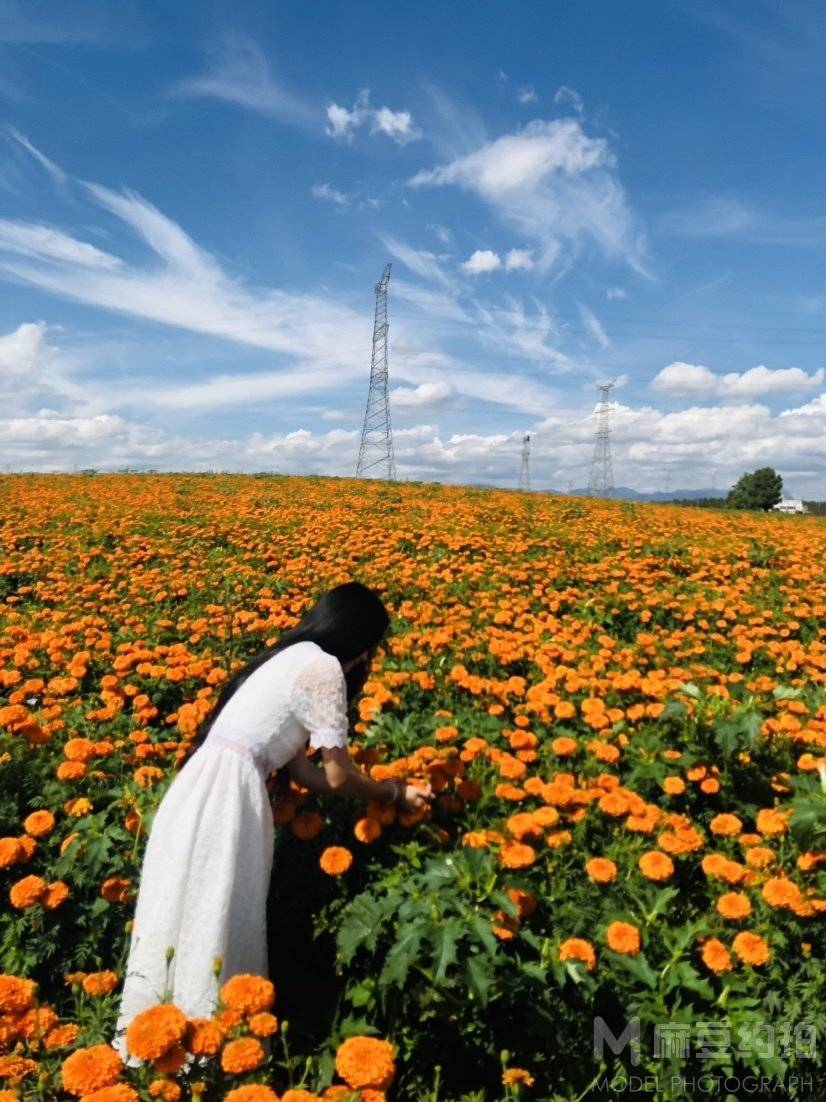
(791, 505)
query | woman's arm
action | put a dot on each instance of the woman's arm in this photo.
(340, 776)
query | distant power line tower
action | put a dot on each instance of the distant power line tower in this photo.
(601, 482)
(525, 470)
(376, 435)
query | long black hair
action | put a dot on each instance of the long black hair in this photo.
(345, 621)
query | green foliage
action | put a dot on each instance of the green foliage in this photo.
(760, 489)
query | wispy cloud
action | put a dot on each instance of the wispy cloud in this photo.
(240, 73)
(57, 173)
(594, 326)
(564, 94)
(420, 261)
(527, 94)
(518, 260)
(556, 185)
(728, 217)
(328, 193)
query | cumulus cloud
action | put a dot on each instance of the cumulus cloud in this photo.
(328, 193)
(687, 379)
(343, 122)
(518, 260)
(553, 183)
(424, 394)
(483, 260)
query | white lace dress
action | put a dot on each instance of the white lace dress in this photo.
(206, 868)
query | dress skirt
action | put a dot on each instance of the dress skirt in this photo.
(203, 887)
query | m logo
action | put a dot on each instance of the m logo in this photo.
(603, 1035)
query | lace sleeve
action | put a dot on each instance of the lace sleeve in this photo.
(319, 701)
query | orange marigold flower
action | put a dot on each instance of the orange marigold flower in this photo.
(248, 994)
(577, 948)
(335, 860)
(16, 1067)
(601, 869)
(89, 1069)
(622, 937)
(118, 1092)
(307, 824)
(154, 1031)
(28, 892)
(254, 1092)
(725, 825)
(366, 1062)
(115, 889)
(16, 994)
(613, 804)
(295, 1095)
(674, 786)
(243, 1055)
(710, 785)
(516, 855)
(367, 830)
(78, 807)
(759, 857)
(70, 771)
(10, 852)
(751, 948)
(779, 891)
(62, 1036)
(165, 1089)
(734, 905)
(172, 1060)
(99, 983)
(716, 956)
(563, 746)
(263, 1025)
(55, 894)
(37, 1022)
(39, 823)
(656, 866)
(772, 821)
(203, 1037)
(513, 1077)
(525, 902)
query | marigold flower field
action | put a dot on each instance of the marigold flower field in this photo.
(621, 710)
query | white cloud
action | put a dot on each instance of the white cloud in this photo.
(687, 379)
(344, 122)
(564, 94)
(45, 243)
(518, 260)
(57, 173)
(555, 184)
(727, 217)
(420, 261)
(527, 94)
(329, 193)
(594, 326)
(440, 231)
(240, 74)
(615, 293)
(483, 260)
(397, 125)
(424, 394)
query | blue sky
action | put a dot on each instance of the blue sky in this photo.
(196, 200)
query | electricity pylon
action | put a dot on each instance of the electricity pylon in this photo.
(601, 482)
(376, 449)
(524, 470)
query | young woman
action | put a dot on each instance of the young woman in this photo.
(207, 864)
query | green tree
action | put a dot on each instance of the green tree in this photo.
(759, 489)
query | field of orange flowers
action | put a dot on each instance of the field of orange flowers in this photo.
(621, 708)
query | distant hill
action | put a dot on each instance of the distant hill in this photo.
(625, 493)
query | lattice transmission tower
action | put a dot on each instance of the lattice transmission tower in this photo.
(525, 469)
(601, 482)
(376, 449)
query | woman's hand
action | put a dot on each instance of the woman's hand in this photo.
(414, 796)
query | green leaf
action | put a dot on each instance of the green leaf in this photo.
(404, 951)
(479, 974)
(444, 941)
(638, 966)
(361, 925)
